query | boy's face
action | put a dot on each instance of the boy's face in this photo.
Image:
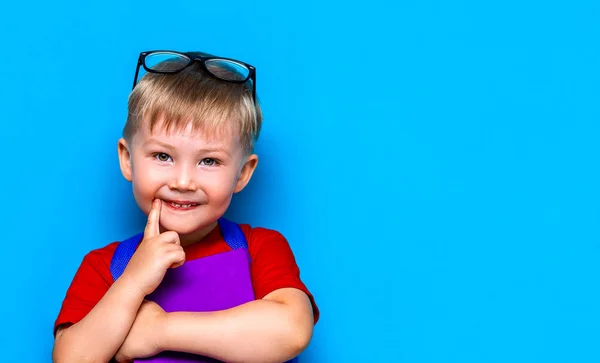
(193, 173)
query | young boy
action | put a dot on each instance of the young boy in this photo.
(187, 146)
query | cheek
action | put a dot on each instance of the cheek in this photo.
(147, 179)
(221, 183)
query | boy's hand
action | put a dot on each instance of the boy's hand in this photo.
(156, 253)
(144, 339)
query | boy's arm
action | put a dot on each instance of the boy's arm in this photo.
(99, 335)
(274, 329)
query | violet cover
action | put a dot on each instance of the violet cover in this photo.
(212, 283)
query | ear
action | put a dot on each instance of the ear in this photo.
(246, 173)
(125, 159)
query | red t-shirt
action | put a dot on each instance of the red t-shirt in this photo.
(273, 267)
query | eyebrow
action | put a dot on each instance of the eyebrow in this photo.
(159, 143)
(206, 150)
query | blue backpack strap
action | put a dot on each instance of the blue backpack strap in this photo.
(232, 234)
(122, 255)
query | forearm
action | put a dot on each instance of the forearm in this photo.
(98, 336)
(259, 331)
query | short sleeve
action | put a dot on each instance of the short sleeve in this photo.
(273, 264)
(89, 285)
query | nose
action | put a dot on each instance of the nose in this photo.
(183, 179)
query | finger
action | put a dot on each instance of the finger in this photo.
(177, 258)
(120, 358)
(170, 237)
(152, 227)
(178, 264)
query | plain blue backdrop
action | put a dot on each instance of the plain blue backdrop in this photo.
(434, 164)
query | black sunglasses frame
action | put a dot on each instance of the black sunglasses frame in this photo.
(202, 58)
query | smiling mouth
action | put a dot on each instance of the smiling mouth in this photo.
(181, 205)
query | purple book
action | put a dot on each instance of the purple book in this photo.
(212, 283)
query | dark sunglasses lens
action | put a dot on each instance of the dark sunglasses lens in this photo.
(228, 70)
(166, 61)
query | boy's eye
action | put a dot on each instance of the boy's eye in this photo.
(208, 162)
(162, 157)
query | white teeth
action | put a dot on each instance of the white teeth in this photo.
(180, 205)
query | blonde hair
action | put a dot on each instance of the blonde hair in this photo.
(210, 104)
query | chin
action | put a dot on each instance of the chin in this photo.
(183, 228)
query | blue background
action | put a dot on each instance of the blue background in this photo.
(434, 164)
